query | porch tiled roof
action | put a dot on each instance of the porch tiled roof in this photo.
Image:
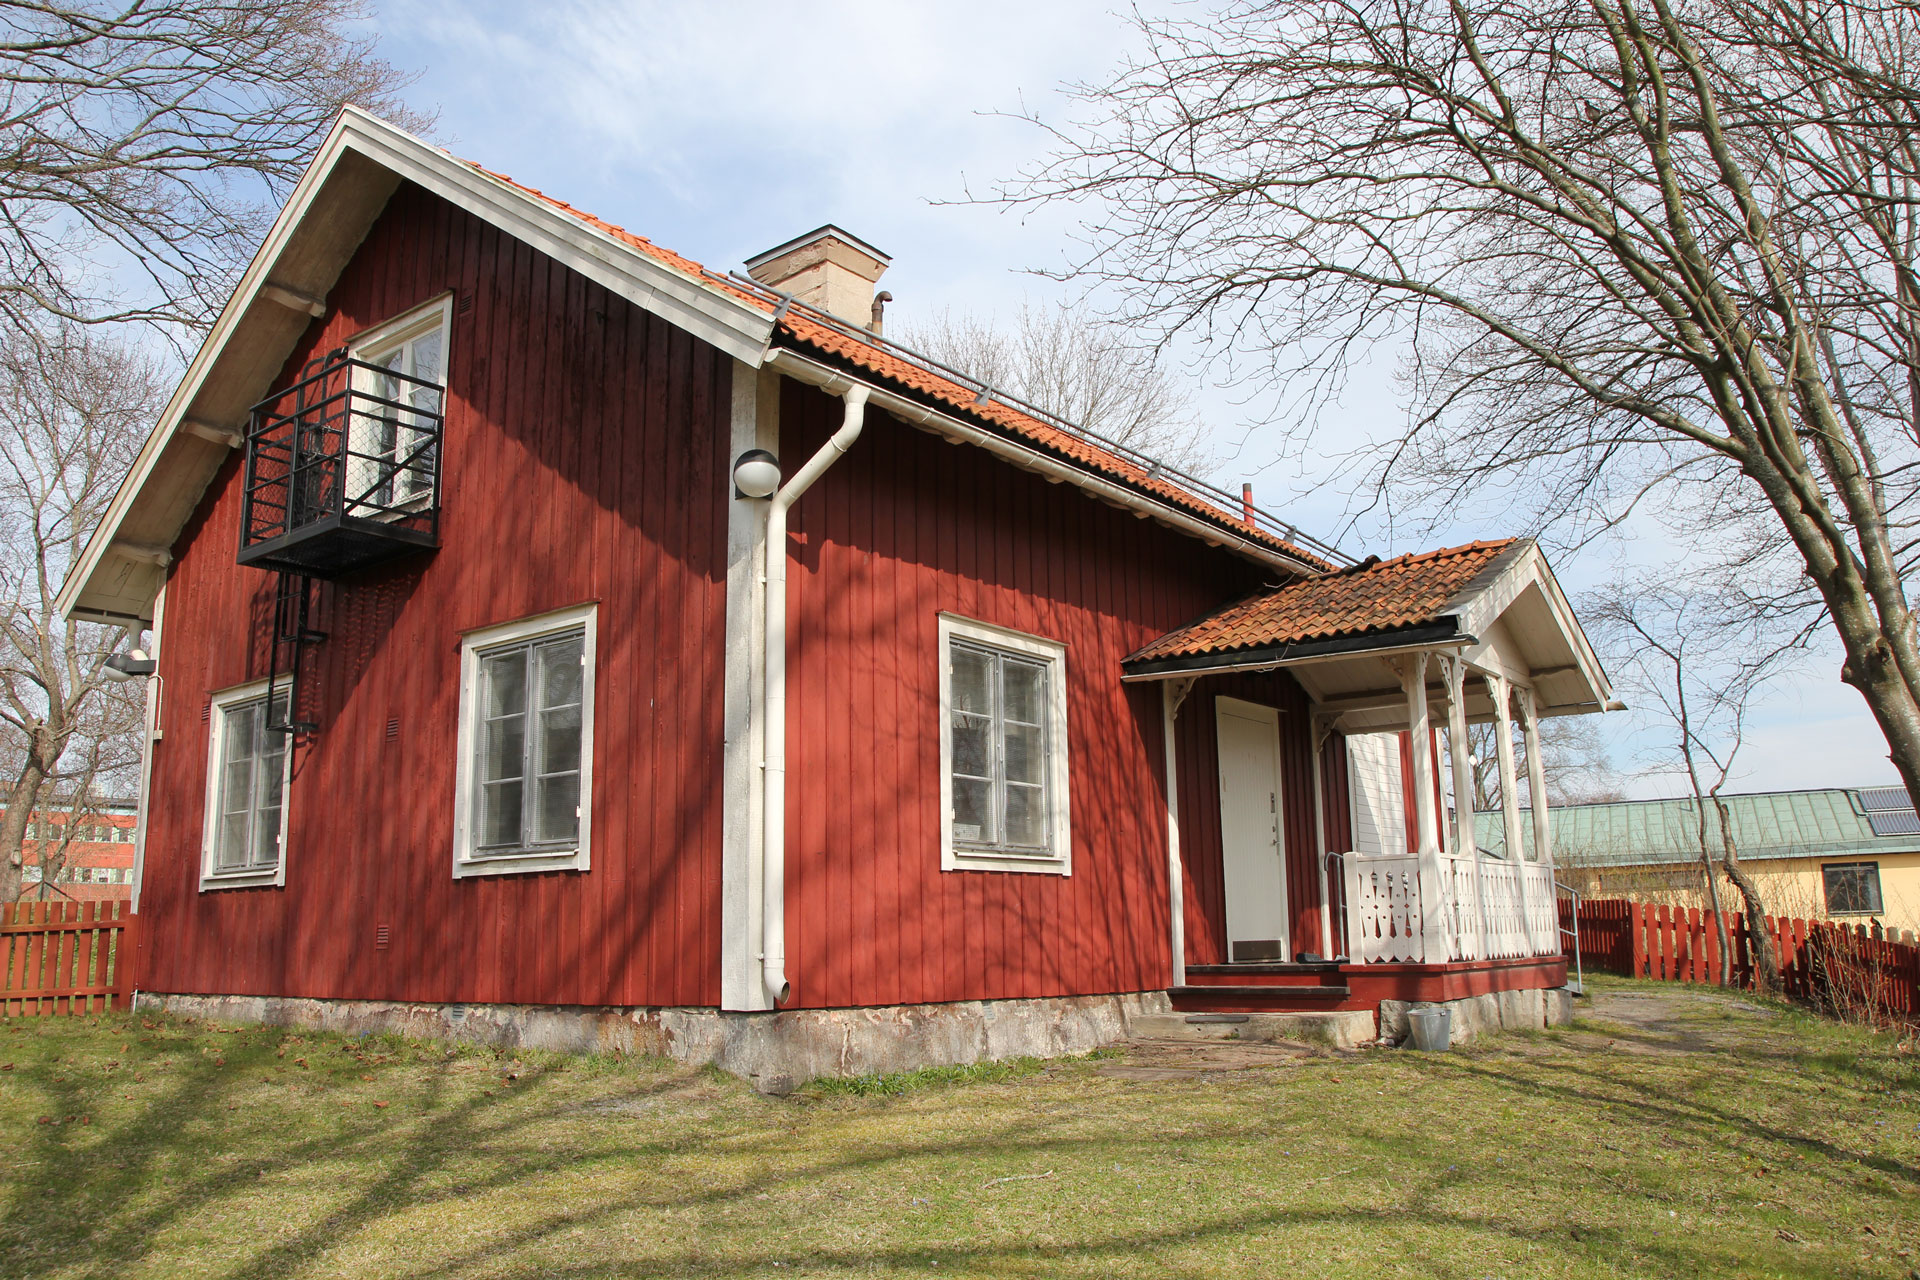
(800, 326)
(1373, 597)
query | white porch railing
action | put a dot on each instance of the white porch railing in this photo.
(1472, 908)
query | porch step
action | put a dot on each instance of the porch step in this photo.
(1267, 997)
(1284, 977)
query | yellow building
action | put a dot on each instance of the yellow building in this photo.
(1847, 855)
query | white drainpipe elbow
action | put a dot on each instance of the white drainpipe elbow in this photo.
(773, 812)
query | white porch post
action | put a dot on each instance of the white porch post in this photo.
(1536, 779)
(1459, 754)
(1537, 793)
(1319, 730)
(1172, 693)
(1509, 796)
(1432, 929)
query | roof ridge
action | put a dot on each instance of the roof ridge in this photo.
(1416, 557)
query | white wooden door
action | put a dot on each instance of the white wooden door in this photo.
(1251, 846)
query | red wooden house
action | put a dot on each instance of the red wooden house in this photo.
(481, 708)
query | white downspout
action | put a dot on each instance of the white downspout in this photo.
(773, 810)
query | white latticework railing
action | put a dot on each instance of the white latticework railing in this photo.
(1383, 909)
(1484, 908)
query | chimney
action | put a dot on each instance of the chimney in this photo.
(828, 269)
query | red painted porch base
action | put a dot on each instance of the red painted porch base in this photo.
(1366, 985)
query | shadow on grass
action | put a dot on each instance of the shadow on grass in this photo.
(107, 1195)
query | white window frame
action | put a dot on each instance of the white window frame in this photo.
(210, 877)
(435, 313)
(1058, 860)
(578, 618)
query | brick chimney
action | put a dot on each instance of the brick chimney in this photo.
(826, 268)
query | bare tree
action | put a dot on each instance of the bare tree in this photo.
(1573, 758)
(1075, 367)
(138, 141)
(73, 411)
(1684, 658)
(1644, 256)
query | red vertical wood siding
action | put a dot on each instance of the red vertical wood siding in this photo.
(585, 460)
(904, 528)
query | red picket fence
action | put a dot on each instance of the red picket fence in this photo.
(1840, 967)
(64, 957)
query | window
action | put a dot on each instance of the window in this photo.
(1853, 888)
(247, 774)
(526, 746)
(396, 405)
(1003, 750)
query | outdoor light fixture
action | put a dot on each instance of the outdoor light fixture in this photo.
(756, 474)
(125, 666)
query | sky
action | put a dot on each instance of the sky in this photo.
(722, 129)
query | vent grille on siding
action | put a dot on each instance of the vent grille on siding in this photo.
(466, 304)
(206, 711)
(393, 730)
(380, 938)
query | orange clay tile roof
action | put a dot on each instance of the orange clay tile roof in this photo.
(800, 325)
(1373, 597)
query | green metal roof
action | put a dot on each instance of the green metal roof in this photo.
(1772, 824)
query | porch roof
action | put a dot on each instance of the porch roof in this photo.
(1494, 603)
(1376, 602)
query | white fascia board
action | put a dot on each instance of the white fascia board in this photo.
(732, 324)
(1481, 605)
(102, 585)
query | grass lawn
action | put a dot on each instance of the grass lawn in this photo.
(1672, 1132)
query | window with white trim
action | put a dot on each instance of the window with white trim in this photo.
(390, 443)
(248, 766)
(1003, 750)
(526, 746)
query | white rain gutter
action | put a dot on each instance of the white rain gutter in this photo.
(773, 811)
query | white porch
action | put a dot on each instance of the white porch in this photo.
(1426, 646)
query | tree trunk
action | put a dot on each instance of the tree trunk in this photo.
(43, 751)
(21, 800)
(1719, 919)
(1766, 965)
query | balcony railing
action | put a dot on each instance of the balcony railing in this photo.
(343, 469)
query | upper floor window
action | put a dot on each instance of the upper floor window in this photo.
(247, 773)
(397, 410)
(1852, 888)
(526, 746)
(1003, 750)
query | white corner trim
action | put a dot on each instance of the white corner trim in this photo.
(1059, 861)
(583, 618)
(210, 819)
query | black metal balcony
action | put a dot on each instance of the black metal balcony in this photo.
(343, 470)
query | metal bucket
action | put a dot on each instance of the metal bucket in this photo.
(1431, 1029)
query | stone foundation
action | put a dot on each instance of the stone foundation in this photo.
(776, 1050)
(1528, 1010)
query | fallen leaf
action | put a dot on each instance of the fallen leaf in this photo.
(1787, 1235)
(6, 1067)
(379, 1104)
